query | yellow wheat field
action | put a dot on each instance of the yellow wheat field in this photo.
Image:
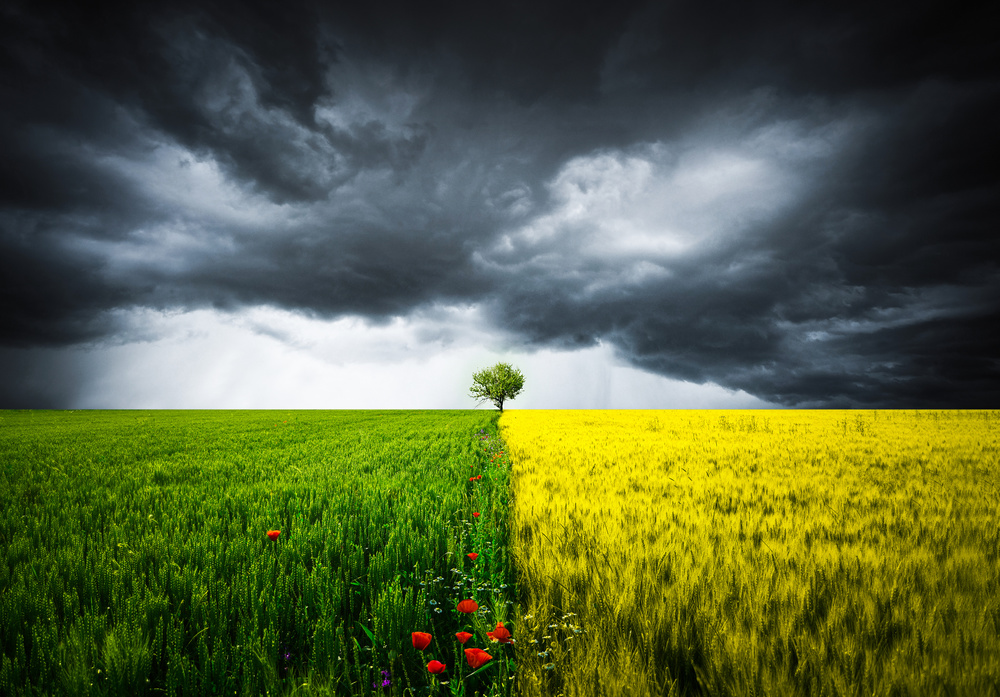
(756, 553)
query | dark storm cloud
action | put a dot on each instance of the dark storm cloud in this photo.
(797, 200)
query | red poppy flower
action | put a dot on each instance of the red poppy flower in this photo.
(468, 606)
(472, 479)
(478, 477)
(463, 637)
(273, 534)
(475, 514)
(477, 658)
(501, 634)
(421, 640)
(436, 667)
(472, 555)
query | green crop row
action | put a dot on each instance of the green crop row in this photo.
(136, 559)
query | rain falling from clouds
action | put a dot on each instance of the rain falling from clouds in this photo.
(356, 205)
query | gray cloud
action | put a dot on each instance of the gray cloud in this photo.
(794, 200)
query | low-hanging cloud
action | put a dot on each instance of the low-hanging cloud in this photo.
(798, 202)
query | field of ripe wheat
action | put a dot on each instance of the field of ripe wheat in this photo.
(757, 553)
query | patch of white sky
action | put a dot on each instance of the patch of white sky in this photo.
(267, 357)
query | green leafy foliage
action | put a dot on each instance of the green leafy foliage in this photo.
(497, 384)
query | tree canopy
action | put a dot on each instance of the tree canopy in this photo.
(497, 384)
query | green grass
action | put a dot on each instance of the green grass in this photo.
(136, 562)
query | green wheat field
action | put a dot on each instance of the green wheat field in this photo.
(136, 562)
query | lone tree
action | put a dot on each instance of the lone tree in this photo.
(502, 381)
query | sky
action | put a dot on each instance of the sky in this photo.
(639, 204)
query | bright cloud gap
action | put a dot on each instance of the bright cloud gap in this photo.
(265, 357)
